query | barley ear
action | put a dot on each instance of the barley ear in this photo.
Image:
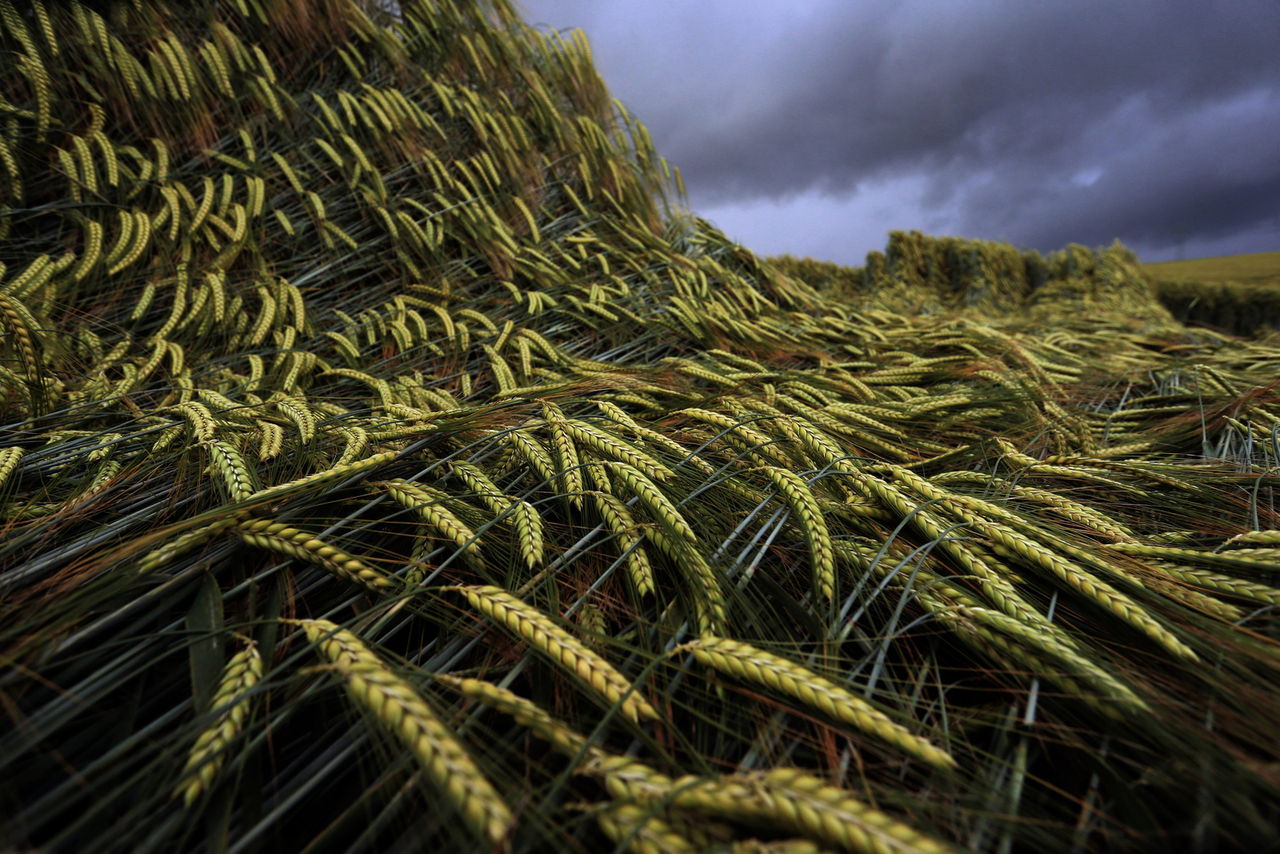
(644, 831)
(399, 708)
(744, 661)
(804, 505)
(208, 754)
(291, 542)
(560, 646)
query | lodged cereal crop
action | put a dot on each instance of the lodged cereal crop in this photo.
(390, 461)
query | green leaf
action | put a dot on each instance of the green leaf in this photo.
(204, 624)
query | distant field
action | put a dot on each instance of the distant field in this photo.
(1235, 293)
(1259, 268)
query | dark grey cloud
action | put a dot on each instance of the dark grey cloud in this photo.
(1039, 122)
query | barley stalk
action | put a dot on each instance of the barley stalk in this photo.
(1237, 559)
(184, 543)
(567, 463)
(608, 447)
(526, 713)
(708, 597)
(1210, 580)
(616, 515)
(9, 459)
(526, 519)
(997, 588)
(230, 464)
(787, 798)
(310, 481)
(533, 453)
(1009, 543)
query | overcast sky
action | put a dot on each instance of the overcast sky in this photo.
(816, 126)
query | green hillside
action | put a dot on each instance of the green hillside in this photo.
(389, 461)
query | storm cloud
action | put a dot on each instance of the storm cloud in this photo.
(1040, 123)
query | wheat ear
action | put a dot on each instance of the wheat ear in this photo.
(230, 464)
(323, 477)
(526, 520)
(1256, 538)
(708, 596)
(399, 708)
(996, 588)
(531, 451)
(785, 797)
(1011, 543)
(611, 447)
(1210, 580)
(9, 459)
(560, 646)
(777, 846)
(566, 453)
(183, 543)
(1237, 559)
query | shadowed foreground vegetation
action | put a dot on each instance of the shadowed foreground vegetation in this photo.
(388, 462)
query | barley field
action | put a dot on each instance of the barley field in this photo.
(1236, 293)
(390, 460)
(1260, 268)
